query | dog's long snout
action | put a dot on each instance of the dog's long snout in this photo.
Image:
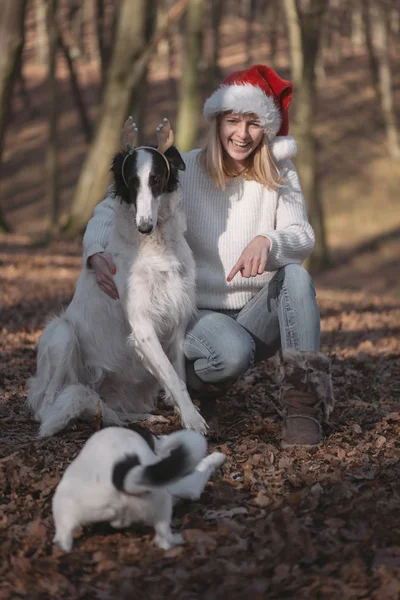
(146, 227)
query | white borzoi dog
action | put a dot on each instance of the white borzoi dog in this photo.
(124, 477)
(116, 355)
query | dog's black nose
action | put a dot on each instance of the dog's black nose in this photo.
(146, 228)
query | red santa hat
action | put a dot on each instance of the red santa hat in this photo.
(258, 90)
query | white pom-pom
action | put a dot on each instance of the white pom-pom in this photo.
(283, 147)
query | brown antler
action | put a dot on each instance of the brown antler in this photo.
(165, 136)
(129, 134)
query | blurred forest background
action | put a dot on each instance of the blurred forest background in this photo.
(72, 71)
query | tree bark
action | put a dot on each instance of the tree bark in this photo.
(380, 27)
(12, 14)
(309, 20)
(373, 61)
(295, 41)
(357, 28)
(214, 69)
(138, 102)
(190, 100)
(250, 11)
(272, 28)
(76, 90)
(52, 145)
(127, 66)
(41, 41)
(104, 39)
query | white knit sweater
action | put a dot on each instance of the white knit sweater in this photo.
(220, 224)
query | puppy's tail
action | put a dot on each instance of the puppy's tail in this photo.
(182, 453)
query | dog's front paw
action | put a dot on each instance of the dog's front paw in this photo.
(195, 421)
(166, 543)
(157, 419)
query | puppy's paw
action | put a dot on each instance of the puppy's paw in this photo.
(64, 543)
(166, 543)
(215, 460)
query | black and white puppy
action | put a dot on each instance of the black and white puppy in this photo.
(124, 476)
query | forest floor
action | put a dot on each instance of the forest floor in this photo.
(272, 523)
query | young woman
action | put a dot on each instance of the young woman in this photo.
(249, 233)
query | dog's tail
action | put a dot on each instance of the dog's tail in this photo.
(58, 364)
(182, 453)
(74, 401)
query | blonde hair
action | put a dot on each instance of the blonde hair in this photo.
(260, 167)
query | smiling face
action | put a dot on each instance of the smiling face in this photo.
(240, 135)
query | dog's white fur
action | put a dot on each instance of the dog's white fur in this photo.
(86, 493)
(124, 351)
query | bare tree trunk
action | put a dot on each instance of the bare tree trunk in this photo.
(77, 28)
(104, 39)
(168, 48)
(357, 28)
(295, 41)
(250, 11)
(394, 22)
(272, 28)
(214, 69)
(373, 61)
(90, 30)
(309, 19)
(380, 39)
(295, 47)
(127, 66)
(12, 14)
(138, 102)
(52, 145)
(41, 41)
(190, 101)
(83, 114)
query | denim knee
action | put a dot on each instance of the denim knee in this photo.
(237, 362)
(298, 280)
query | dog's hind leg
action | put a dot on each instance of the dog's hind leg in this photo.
(145, 339)
(82, 401)
(74, 401)
(192, 486)
(58, 364)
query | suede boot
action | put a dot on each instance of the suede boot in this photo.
(306, 396)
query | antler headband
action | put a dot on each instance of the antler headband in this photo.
(165, 138)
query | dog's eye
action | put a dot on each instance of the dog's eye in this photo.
(154, 180)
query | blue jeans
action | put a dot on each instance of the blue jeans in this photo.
(221, 345)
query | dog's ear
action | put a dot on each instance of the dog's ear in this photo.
(175, 158)
(116, 169)
(116, 166)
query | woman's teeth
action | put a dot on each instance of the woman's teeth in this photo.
(240, 144)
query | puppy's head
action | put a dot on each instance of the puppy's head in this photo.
(141, 178)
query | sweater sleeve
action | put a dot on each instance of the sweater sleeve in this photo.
(293, 237)
(98, 228)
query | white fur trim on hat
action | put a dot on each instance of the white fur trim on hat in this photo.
(283, 147)
(245, 98)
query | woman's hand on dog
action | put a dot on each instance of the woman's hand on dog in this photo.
(104, 269)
